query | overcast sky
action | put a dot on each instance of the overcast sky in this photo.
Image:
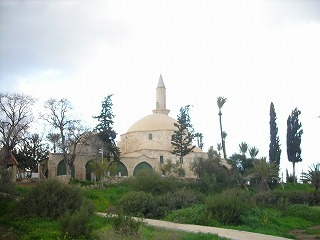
(251, 52)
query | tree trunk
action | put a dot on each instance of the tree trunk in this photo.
(222, 140)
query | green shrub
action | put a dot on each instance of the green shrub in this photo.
(51, 199)
(180, 198)
(152, 182)
(277, 198)
(77, 224)
(137, 204)
(127, 226)
(190, 215)
(228, 206)
(305, 212)
(257, 217)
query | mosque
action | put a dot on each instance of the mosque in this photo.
(146, 145)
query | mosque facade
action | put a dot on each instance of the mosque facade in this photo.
(146, 145)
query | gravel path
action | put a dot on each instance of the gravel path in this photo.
(221, 232)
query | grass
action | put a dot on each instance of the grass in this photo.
(265, 221)
(104, 198)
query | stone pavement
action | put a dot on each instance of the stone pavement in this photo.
(221, 232)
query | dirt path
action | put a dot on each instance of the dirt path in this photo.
(303, 235)
(221, 232)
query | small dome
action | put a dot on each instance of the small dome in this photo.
(154, 122)
(197, 150)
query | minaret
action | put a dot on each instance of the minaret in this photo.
(161, 98)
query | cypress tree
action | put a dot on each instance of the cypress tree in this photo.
(294, 133)
(274, 146)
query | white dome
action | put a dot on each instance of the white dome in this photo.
(153, 122)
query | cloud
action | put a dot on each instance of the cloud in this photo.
(53, 35)
(288, 12)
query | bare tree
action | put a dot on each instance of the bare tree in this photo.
(71, 130)
(15, 119)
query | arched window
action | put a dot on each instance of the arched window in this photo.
(61, 169)
(142, 166)
(89, 170)
(150, 136)
(118, 167)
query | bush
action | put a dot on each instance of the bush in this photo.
(137, 204)
(77, 224)
(51, 199)
(151, 182)
(257, 217)
(279, 198)
(305, 212)
(180, 198)
(191, 215)
(228, 206)
(126, 226)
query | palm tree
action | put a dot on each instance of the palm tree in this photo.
(243, 148)
(219, 148)
(220, 102)
(312, 176)
(54, 139)
(266, 171)
(253, 151)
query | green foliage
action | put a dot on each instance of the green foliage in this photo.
(190, 215)
(274, 146)
(50, 199)
(105, 129)
(77, 224)
(181, 198)
(312, 176)
(265, 171)
(294, 133)
(100, 169)
(182, 138)
(169, 168)
(305, 212)
(126, 226)
(82, 183)
(152, 182)
(228, 206)
(137, 204)
(283, 199)
(257, 217)
(31, 152)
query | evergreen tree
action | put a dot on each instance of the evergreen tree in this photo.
(294, 133)
(182, 138)
(274, 147)
(105, 130)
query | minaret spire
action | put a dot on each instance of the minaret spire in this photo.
(161, 98)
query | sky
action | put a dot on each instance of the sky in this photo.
(251, 52)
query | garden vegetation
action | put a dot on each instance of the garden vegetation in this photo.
(54, 210)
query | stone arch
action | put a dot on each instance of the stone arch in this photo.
(89, 170)
(142, 166)
(61, 169)
(119, 167)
